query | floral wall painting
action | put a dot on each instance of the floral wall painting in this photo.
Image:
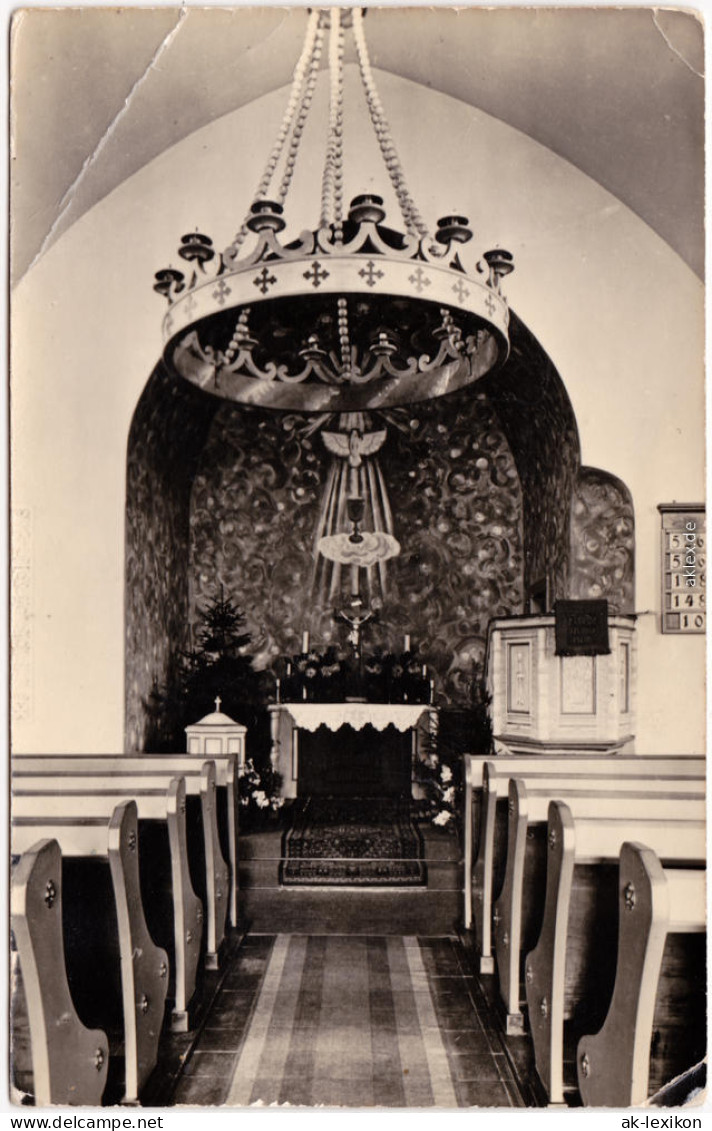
(602, 540)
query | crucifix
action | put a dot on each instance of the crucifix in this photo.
(356, 616)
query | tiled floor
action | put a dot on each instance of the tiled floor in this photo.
(356, 1021)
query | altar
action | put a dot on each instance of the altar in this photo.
(349, 748)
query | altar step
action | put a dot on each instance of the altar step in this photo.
(267, 907)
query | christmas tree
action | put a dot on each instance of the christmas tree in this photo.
(218, 665)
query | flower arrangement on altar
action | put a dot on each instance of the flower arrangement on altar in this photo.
(328, 677)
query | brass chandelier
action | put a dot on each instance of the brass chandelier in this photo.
(353, 316)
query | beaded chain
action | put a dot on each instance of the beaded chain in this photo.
(413, 220)
(295, 117)
(307, 96)
(332, 181)
(344, 339)
(295, 93)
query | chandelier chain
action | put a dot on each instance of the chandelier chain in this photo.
(305, 106)
(338, 81)
(344, 337)
(413, 220)
(332, 179)
(294, 99)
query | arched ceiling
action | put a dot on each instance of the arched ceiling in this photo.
(97, 93)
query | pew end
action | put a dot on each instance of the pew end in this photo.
(187, 909)
(141, 966)
(144, 969)
(516, 904)
(217, 869)
(69, 1062)
(570, 974)
(614, 1065)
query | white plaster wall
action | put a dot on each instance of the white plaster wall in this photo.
(618, 312)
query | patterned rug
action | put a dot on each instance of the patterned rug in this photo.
(364, 842)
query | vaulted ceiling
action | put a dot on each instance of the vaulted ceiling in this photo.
(97, 93)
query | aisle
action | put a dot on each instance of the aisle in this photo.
(385, 1021)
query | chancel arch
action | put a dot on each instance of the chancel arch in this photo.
(487, 496)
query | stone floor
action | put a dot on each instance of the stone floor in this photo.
(354, 1021)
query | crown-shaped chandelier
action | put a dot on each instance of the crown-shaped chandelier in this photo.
(353, 315)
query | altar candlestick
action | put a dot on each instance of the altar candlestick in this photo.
(305, 642)
(406, 642)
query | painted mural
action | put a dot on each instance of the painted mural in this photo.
(537, 418)
(456, 503)
(167, 434)
(603, 540)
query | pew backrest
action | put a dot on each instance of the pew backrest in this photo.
(594, 803)
(108, 764)
(677, 765)
(629, 775)
(655, 765)
(105, 774)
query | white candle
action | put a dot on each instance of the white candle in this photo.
(406, 643)
(289, 667)
(425, 671)
(305, 642)
(432, 689)
(304, 693)
(279, 682)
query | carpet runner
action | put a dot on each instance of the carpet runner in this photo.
(356, 842)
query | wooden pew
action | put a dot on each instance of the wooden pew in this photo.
(164, 869)
(570, 973)
(487, 871)
(129, 777)
(655, 1026)
(175, 765)
(68, 1063)
(685, 766)
(518, 911)
(138, 973)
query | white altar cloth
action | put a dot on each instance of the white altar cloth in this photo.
(310, 716)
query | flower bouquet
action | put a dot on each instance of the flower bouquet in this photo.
(258, 791)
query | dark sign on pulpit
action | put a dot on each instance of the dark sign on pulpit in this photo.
(581, 628)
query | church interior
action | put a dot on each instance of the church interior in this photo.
(358, 558)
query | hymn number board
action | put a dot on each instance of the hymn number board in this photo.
(684, 561)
